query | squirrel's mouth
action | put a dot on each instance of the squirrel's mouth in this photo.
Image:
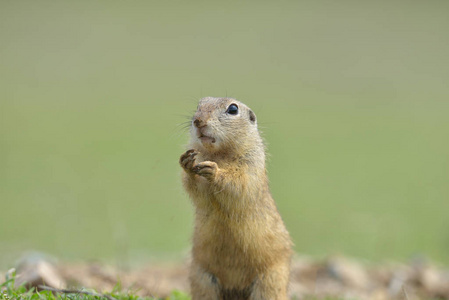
(206, 139)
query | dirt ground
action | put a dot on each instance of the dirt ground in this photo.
(335, 277)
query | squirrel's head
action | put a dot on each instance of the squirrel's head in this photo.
(221, 124)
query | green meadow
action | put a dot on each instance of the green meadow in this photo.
(352, 99)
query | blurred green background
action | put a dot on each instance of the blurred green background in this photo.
(352, 98)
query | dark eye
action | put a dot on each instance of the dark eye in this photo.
(233, 109)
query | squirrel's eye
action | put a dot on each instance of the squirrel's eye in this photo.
(233, 109)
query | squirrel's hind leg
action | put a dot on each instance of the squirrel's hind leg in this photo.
(203, 285)
(272, 285)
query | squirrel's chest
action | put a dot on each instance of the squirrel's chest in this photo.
(235, 240)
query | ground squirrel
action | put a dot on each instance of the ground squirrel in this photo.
(241, 248)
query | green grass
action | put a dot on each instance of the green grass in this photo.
(351, 97)
(9, 292)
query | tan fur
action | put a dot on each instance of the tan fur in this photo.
(241, 248)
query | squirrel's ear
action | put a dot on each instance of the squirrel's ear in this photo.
(252, 116)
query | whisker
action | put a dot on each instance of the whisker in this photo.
(189, 117)
(183, 126)
(194, 98)
(180, 130)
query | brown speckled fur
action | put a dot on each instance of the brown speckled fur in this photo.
(241, 248)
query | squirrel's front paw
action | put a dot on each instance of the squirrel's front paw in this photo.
(206, 169)
(187, 160)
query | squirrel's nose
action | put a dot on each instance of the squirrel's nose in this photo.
(199, 123)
